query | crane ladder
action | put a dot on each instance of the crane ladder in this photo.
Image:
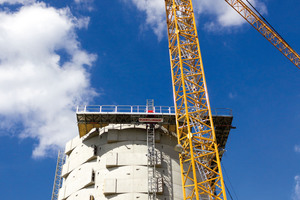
(151, 156)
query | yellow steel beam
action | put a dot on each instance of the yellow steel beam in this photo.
(263, 28)
(199, 161)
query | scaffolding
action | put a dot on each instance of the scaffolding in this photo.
(58, 179)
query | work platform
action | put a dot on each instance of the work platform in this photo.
(89, 117)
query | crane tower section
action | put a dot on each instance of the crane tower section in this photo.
(203, 178)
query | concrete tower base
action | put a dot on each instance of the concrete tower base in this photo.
(111, 163)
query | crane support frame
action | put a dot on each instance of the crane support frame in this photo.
(199, 160)
(263, 28)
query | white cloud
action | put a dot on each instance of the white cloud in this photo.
(297, 148)
(42, 74)
(17, 1)
(155, 14)
(83, 1)
(26, 2)
(85, 4)
(296, 195)
(222, 15)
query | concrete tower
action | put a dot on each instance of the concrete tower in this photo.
(126, 152)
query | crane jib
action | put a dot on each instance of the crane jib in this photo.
(264, 28)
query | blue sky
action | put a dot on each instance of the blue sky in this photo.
(58, 54)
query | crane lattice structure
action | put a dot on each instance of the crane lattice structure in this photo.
(199, 161)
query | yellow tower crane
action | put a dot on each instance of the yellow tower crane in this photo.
(199, 157)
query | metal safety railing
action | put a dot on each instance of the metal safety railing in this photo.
(135, 109)
(125, 109)
(221, 112)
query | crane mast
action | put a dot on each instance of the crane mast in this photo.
(199, 157)
(266, 30)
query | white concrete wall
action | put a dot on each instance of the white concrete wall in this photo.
(119, 166)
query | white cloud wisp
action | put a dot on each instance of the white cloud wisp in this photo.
(155, 14)
(296, 195)
(221, 14)
(224, 16)
(297, 148)
(42, 74)
(17, 1)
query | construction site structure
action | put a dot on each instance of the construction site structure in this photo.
(128, 152)
(111, 145)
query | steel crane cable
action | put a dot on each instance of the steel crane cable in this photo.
(228, 191)
(227, 188)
